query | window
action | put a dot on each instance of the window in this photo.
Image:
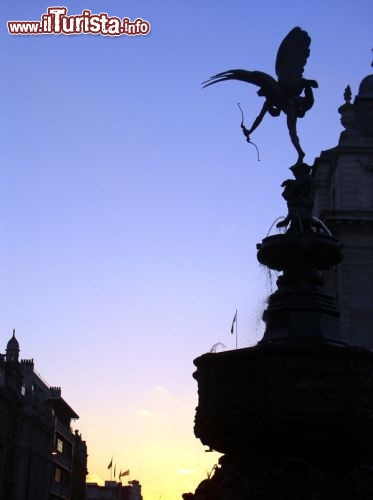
(59, 445)
(57, 475)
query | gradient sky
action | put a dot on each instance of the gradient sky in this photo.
(131, 206)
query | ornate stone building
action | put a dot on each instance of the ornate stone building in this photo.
(344, 201)
(40, 457)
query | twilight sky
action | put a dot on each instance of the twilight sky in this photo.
(131, 206)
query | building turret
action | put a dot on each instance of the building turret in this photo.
(12, 349)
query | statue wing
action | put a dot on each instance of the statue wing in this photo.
(292, 55)
(267, 84)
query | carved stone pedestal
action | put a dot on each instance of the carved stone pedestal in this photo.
(294, 421)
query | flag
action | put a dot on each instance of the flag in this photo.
(125, 473)
(110, 464)
(233, 322)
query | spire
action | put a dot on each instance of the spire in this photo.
(347, 111)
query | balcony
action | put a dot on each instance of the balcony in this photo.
(64, 431)
(60, 490)
(63, 460)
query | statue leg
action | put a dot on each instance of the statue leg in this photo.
(305, 103)
(292, 126)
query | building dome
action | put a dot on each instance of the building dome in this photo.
(12, 348)
(13, 343)
(366, 87)
(364, 108)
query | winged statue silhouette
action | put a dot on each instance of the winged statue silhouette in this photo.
(291, 93)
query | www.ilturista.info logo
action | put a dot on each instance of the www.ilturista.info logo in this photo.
(57, 22)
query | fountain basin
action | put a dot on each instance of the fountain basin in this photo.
(299, 250)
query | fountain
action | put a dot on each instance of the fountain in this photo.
(293, 415)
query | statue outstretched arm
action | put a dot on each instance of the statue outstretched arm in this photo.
(257, 120)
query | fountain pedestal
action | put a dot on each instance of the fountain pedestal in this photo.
(300, 310)
(284, 413)
(293, 415)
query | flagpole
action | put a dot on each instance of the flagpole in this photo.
(110, 466)
(234, 324)
(236, 327)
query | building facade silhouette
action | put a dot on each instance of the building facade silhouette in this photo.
(344, 201)
(41, 458)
